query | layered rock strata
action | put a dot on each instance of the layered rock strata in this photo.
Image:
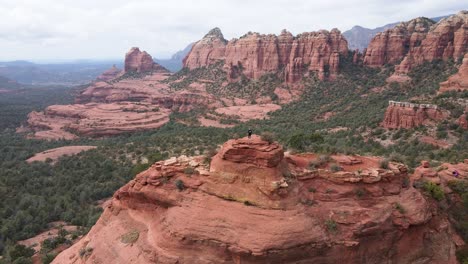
(254, 55)
(419, 40)
(458, 81)
(409, 115)
(181, 211)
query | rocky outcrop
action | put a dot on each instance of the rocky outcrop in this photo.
(392, 45)
(419, 40)
(458, 81)
(110, 74)
(95, 120)
(463, 121)
(255, 54)
(138, 61)
(446, 39)
(228, 214)
(208, 50)
(254, 151)
(408, 115)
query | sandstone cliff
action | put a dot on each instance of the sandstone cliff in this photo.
(458, 81)
(390, 46)
(419, 40)
(255, 54)
(229, 213)
(407, 115)
(138, 61)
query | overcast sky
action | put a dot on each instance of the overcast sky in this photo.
(105, 29)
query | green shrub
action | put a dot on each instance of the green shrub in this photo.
(331, 225)
(268, 137)
(85, 252)
(335, 167)
(383, 164)
(400, 208)
(462, 254)
(189, 170)
(434, 190)
(130, 237)
(360, 192)
(180, 185)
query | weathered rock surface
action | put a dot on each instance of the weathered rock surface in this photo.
(95, 119)
(55, 153)
(458, 81)
(391, 46)
(208, 50)
(255, 54)
(141, 61)
(110, 74)
(229, 214)
(407, 115)
(419, 40)
(463, 121)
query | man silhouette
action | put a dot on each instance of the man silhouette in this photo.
(249, 132)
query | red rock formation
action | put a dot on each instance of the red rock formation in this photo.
(255, 54)
(253, 151)
(391, 46)
(110, 74)
(207, 51)
(407, 115)
(95, 119)
(137, 61)
(458, 81)
(419, 40)
(463, 121)
(446, 39)
(229, 214)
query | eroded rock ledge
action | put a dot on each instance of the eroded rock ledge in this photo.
(257, 205)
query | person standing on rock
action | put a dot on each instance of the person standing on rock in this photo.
(455, 173)
(249, 132)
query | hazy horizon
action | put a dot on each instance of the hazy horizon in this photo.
(63, 31)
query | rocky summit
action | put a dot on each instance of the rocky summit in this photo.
(140, 61)
(256, 204)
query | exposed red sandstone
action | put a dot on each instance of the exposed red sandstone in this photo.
(458, 81)
(463, 121)
(95, 119)
(207, 51)
(391, 46)
(255, 54)
(446, 39)
(407, 115)
(110, 74)
(55, 153)
(228, 214)
(419, 40)
(138, 61)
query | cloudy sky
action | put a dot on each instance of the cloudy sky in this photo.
(54, 30)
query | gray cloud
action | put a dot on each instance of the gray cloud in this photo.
(68, 29)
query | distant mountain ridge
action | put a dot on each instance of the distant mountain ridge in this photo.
(359, 37)
(174, 64)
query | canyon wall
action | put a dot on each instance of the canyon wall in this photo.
(411, 43)
(256, 54)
